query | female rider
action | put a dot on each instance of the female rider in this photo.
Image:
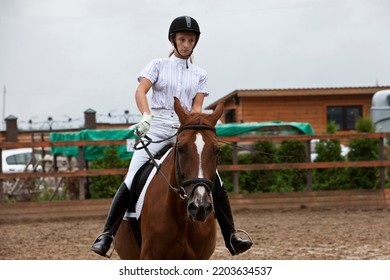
(169, 77)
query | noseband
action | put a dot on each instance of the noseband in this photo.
(208, 184)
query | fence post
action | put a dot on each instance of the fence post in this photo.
(309, 173)
(382, 157)
(81, 164)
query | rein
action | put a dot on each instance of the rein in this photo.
(156, 165)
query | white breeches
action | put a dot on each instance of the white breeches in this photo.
(161, 128)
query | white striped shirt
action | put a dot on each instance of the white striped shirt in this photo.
(170, 77)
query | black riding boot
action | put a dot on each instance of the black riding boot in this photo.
(236, 245)
(118, 208)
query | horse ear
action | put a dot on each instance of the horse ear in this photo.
(180, 111)
(216, 115)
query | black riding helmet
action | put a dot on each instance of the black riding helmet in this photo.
(183, 23)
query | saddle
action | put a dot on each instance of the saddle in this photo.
(137, 186)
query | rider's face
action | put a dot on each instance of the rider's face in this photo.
(185, 42)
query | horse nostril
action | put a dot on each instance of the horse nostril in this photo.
(206, 209)
(192, 209)
(199, 212)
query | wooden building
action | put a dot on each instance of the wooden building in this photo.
(316, 106)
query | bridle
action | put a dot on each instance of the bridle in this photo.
(208, 184)
(180, 190)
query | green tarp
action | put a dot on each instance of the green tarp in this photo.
(65, 136)
(264, 128)
(231, 129)
(93, 152)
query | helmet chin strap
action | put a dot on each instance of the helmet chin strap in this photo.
(182, 56)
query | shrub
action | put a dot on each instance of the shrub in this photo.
(262, 180)
(225, 158)
(251, 181)
(291, 151)
(246, 182)
(364, 150)
(106, 186)
(330, 151)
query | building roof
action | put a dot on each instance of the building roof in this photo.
(298, 92)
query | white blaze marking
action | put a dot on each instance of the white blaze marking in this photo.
(199, 143)
(201, 191)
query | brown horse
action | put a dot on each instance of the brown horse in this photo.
(177, 220)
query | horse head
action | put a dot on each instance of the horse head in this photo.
(196, 152)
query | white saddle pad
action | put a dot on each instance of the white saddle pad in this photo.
(140, 202)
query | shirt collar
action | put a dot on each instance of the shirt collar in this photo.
(180, 61)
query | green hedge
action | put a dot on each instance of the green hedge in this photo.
(295, 151)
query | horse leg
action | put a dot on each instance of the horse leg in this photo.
(125, 244)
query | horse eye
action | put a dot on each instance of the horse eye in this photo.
(183, 148)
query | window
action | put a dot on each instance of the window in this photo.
(345, 117)
(19, 159)
(230, 116)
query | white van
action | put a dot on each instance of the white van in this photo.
(18, 160)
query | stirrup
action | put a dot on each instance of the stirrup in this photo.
(234, 232)
(107, 233)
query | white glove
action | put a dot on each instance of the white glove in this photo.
(143, 126)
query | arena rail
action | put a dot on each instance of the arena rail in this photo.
(82, 172)
(97, 208)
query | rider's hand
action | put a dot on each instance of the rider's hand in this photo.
(143, 126)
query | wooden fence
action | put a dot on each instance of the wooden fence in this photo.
(363, 199)
(82, 172)
(97, 208)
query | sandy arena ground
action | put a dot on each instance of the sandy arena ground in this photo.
(302, 234)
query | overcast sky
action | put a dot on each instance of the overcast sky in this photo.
(59, 58)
